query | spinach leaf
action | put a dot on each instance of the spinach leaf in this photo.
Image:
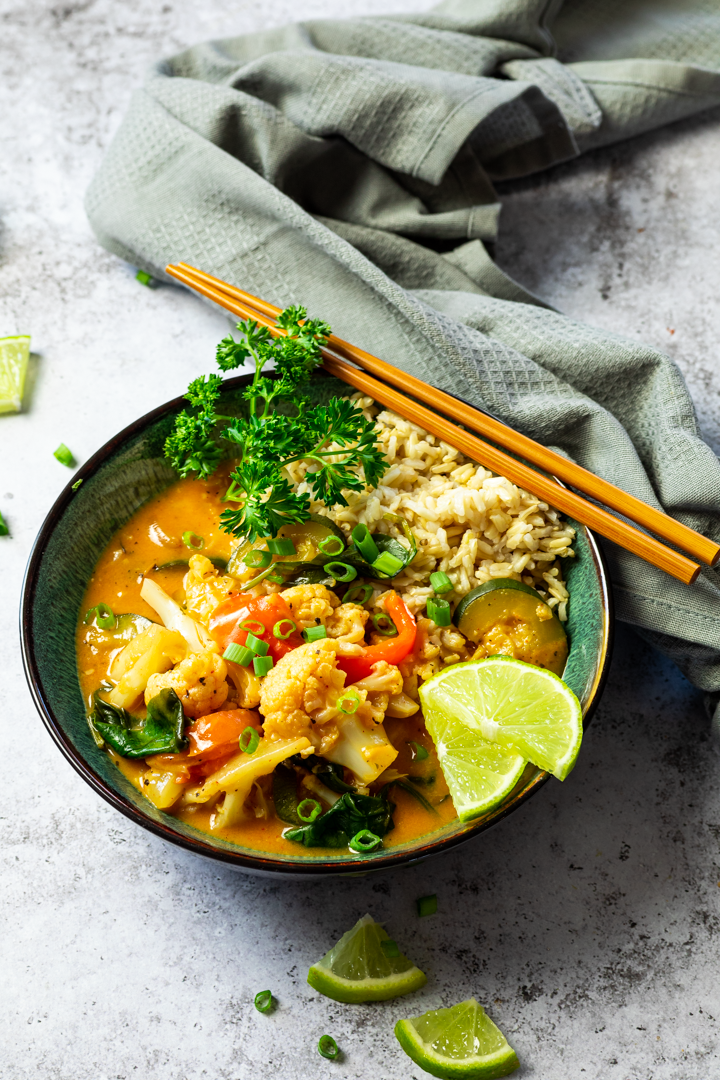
(351, 813)
(384, 543)
(160, 733)
(329, 772)
(284, 791)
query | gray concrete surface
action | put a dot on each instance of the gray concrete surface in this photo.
(587, 922)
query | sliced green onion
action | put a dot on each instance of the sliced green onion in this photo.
(426, 905)
(264, 1001)
(143, 278)
(328, 1048)
(348, 703)
(248, 585)
(64, 456)
(341, 571)
(104, 617)
(419, 752)
(387, 563)
(253, 626)
(390, 947)
(331, 545)
(281, 633)
(256, 645)
(257, 560)
(4, 531)
(281, 545)
(440, 582)
(364, 841)
(439, 612)
(384, 625)
(276, 578)
(193, 541)
(249, 740)
(262, 664)
(365, 543)
(238, 654)
(308, 810)
(89, 615)
(77, 484)
(358, 594)
(314, 633)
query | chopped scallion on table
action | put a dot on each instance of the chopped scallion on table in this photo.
(4, 531)
(264, 1001)
(426, 905)
(143, 277)
(328, 1048)
(64, 456)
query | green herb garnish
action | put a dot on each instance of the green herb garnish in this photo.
(267, 442)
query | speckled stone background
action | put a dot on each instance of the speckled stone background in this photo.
(587, 922)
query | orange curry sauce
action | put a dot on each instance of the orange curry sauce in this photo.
(153, 537)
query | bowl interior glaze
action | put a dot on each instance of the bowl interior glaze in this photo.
(123, 475)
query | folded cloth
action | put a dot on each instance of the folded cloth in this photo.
(348, 165)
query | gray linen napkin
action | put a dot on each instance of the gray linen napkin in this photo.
(348, 165)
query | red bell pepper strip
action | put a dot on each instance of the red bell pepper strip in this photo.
(393, 651)
(226, 620)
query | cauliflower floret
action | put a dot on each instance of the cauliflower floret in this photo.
(205, 588)
(310, 604)
(347, 623)
(301, 691)
(384, 677)
(199, 682)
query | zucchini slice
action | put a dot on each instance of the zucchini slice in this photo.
(507, 616)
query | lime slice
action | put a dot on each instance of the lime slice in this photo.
(359, 969)
(459, 1042)
(515, 705)
(14, 356)
(480, 774)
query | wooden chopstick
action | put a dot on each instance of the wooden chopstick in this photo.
(628, 537)
(588, 483)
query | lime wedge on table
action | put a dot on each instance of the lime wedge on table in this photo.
(358, 969)
(14, 356)
(459, 1042)
(511, 704)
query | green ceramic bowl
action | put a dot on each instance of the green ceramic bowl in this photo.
(126, 472)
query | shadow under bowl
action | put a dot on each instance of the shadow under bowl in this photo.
(127, 471)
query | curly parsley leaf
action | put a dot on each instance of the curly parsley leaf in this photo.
(336, 440)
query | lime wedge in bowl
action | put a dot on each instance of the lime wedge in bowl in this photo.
(461, 1042)
(14, 356)
(511, 704)
(362, 967)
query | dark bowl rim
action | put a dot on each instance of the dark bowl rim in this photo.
(241, 860)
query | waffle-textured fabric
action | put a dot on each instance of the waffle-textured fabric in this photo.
(348, 165)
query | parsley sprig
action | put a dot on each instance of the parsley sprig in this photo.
(336, 440)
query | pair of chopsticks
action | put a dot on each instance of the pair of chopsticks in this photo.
(360, 372)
